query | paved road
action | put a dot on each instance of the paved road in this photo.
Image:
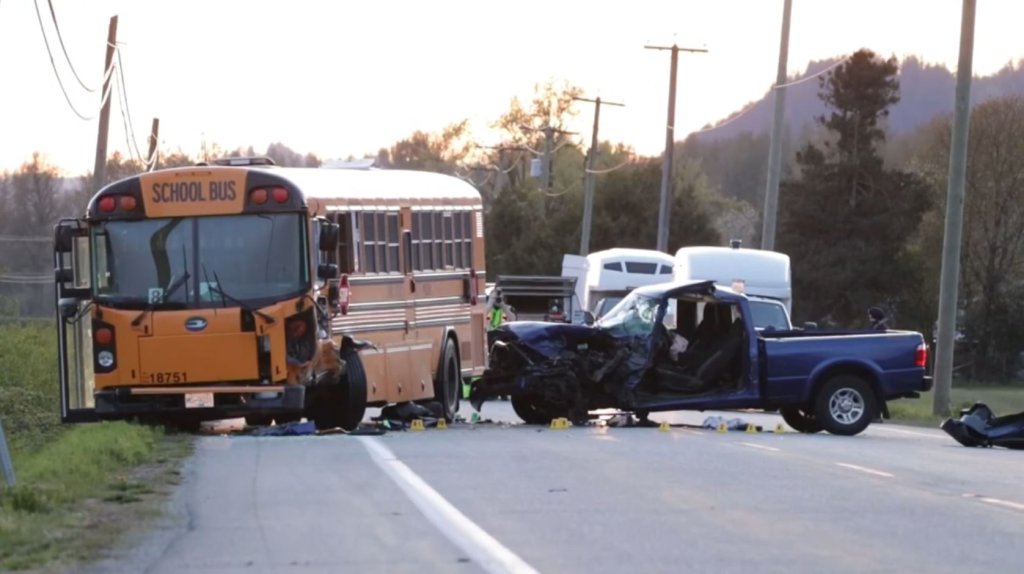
(506, 497)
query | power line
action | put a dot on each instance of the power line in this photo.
(127, 109)
(53, 64)
(53, 16)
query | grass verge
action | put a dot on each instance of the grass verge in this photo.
(77, 493)
(1003, 400)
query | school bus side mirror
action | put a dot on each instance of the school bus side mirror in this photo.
(68, 307)
(327, 271)
(330, 236)
(333, 296)
(63, 238)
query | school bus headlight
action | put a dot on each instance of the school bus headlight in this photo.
(105, 359)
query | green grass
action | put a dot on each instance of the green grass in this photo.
(1002, 399)
(79, 487)
(29, 397)
(76, 494)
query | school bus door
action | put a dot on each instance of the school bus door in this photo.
(72, 276)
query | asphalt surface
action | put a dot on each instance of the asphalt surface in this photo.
(501, 497)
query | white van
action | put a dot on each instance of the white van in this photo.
(603, 278)
(763, 276)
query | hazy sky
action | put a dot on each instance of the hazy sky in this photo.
(338, 77)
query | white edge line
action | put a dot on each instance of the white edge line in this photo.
(484, 549)
(760, 446)
(865, 469)
(907, 432)
(997, 502)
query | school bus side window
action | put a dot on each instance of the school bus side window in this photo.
(394, 265)
(426, 241)
(417, 262)
(467, 239)
(369, 243)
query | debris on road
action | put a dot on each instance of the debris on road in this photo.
(979, 426)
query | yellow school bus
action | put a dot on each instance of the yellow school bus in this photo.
(247, 289)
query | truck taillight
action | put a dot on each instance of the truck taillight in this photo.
(921, 356)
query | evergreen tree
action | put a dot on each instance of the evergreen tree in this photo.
(845, 220)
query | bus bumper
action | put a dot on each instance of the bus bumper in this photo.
(210, 402)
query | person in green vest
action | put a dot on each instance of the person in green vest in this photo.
(498, 311)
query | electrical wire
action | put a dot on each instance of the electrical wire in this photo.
(26, 239)
(750, 107)
(53, 16)
(815, 75)
(127, 109)
(60, 82)
(610, 169)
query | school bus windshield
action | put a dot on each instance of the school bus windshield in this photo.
(189, 262)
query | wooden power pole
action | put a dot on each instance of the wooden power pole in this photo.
(100, 168)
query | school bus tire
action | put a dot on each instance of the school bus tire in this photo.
(341, 404)
(448, 382)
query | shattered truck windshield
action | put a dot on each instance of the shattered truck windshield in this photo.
(633, 316)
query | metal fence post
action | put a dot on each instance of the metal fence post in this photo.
(5, 458)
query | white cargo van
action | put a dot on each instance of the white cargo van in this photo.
(603, 278)
(764, 276)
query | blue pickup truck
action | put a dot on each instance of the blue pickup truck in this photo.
(692, 346)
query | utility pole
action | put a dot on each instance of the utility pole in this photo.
(948, 282)
(502, 174)
(154, 137)
(665, 204)
(546, 171)
(589, 177)
(99, 172)
(771, 192)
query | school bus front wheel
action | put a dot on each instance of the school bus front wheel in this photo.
(343, 403)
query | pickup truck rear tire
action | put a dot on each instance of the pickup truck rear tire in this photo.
(845, 405)
(800, 419)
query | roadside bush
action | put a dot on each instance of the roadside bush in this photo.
(29, 397)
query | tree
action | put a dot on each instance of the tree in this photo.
(441, 153)
(846, 220)
(992, 258)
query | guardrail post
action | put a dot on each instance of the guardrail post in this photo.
(5, 458)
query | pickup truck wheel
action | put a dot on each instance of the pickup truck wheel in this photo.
(845, 405)
(532, 411)
(801, 420)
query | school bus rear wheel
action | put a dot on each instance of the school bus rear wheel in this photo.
(448, 382)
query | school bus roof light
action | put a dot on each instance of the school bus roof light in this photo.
(280, 194)
(128, 203)
(107, 204)
(258, 195)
